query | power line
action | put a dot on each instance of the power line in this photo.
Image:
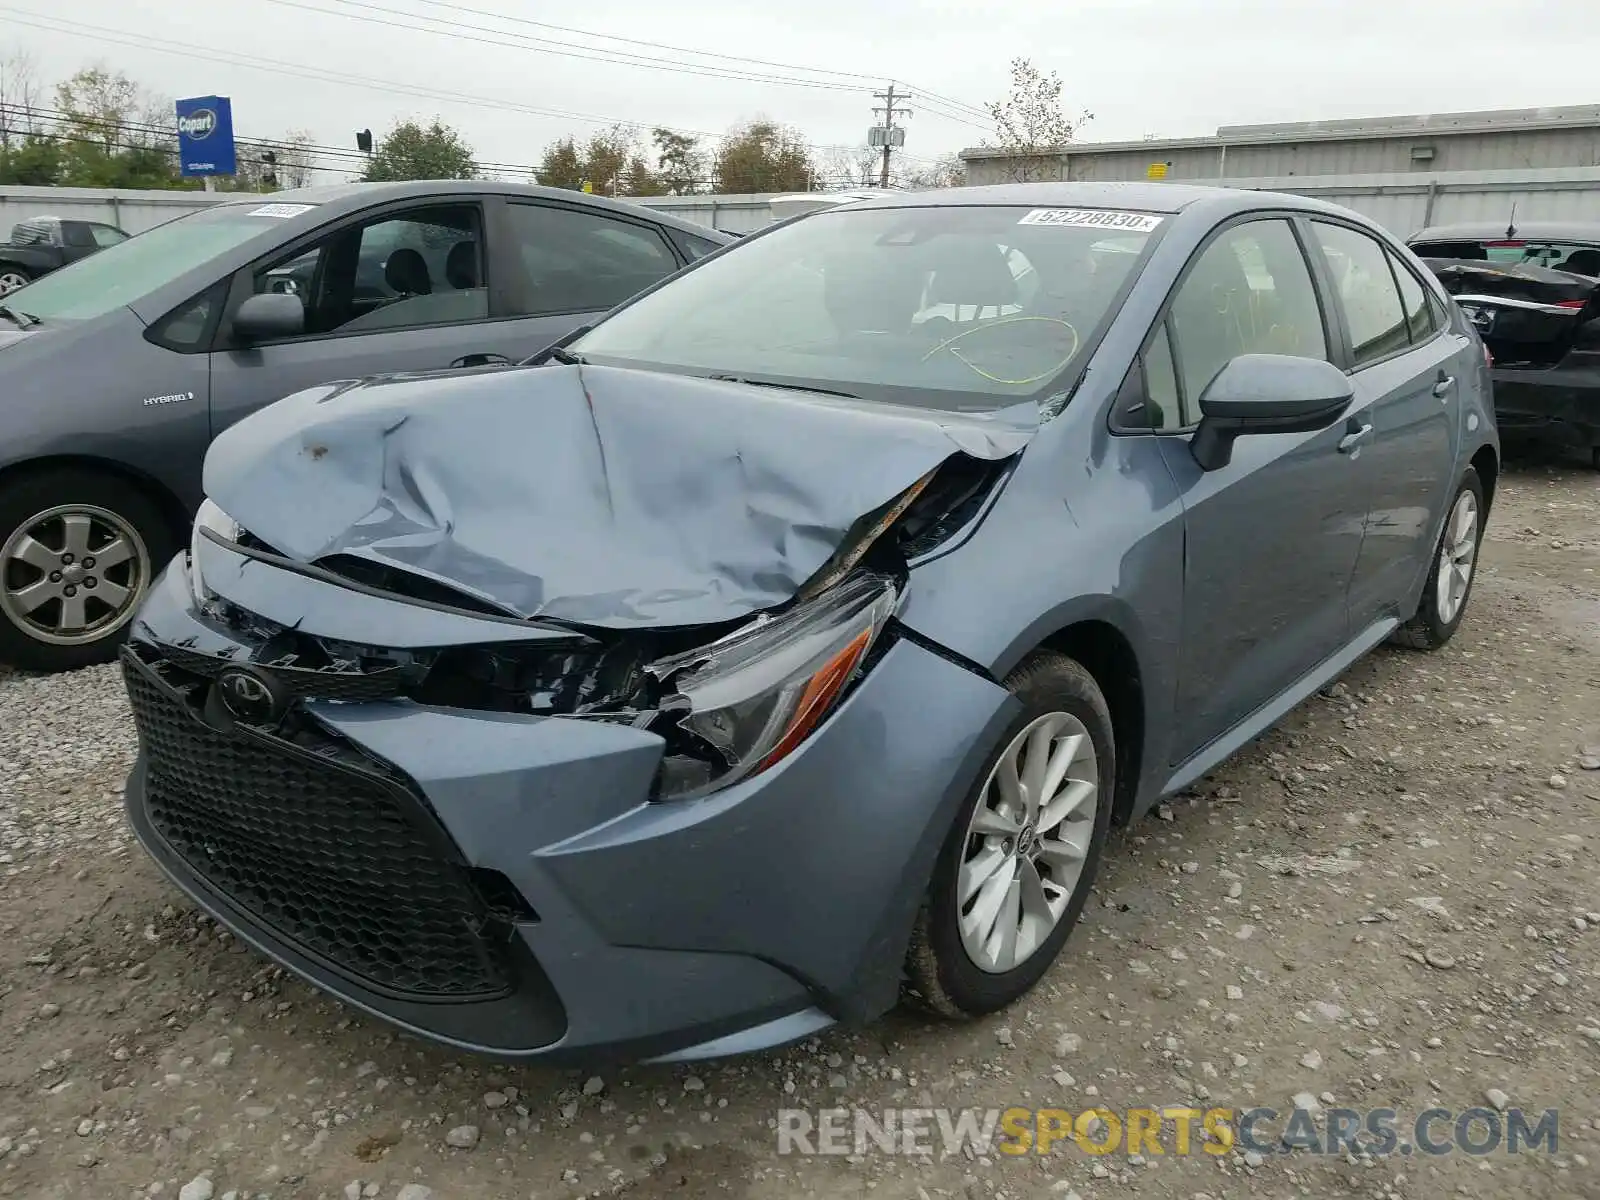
(611, 37)
(560, 49)
(192, 52)
(956, 108)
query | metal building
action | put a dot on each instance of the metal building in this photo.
(1437, 143)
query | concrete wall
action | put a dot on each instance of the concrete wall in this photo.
(134, 211)
(1403, 202)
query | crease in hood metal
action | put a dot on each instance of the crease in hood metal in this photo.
(598, 495)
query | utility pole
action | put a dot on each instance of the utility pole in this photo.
(886, 135)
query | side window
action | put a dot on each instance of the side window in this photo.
(106, 235)
(1249, 292)
(416, 268)
(1148, 399)
(76, 233)
(1420, 315)
(187, 328)
(576, 261)
(1367, 290)
(697, 247)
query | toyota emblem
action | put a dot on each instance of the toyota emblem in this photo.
(251, 696)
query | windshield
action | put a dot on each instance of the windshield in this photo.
(1582, 258)
(129, 270)
(962, 307)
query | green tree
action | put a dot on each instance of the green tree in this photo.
(609, 162)
(680, 162)
(561, 166)
(34, 161)
(114, 133)
(763, 156)
(411, 151)
(1030, 125)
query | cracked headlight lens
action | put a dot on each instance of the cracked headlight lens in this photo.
(755, 695)
(213, 518)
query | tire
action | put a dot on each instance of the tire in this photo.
(43, 517)
(1435, 622)
(944, 974)
(12, 278)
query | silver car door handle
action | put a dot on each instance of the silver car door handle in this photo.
(1442, 388)
(1351, 442)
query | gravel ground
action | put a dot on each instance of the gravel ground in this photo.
(1389, 901)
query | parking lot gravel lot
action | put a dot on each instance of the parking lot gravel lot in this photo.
(1390, 901)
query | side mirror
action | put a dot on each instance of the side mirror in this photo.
(269, 315)
(1267, 393)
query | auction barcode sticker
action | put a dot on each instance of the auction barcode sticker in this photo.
(281, 210)
(1093, 218)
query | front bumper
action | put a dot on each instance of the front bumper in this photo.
(502, 883)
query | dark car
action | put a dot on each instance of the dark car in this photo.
(44, 244)
(118, 371)
(802, 627)
(1533, 292)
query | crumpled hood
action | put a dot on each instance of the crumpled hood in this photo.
(603, 496)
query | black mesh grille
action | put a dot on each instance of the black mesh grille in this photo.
(316, 844)
(352, 686)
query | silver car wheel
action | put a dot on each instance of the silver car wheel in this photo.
(1458, 555)
(72, 574)
(1027, 842)
(10, 281)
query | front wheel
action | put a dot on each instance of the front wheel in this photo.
(78, 551)
(12, 278)
(1016, 868)
(1455, 567)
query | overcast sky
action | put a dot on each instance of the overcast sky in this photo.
(1161, 67)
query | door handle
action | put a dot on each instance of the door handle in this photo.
(1442, 388)
(1352, 441)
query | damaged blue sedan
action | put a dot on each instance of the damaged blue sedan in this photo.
(788, 642)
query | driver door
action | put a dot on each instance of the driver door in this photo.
(1271, 539)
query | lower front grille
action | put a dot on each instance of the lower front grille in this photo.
(317, 843)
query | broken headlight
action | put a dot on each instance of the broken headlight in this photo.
(213, 518)
(751, 698)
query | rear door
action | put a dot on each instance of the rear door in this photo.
(571, 263)
(1405, 368)
(1271, 538)
(408, 287)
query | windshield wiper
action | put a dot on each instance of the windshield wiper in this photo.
(789, 387)
(21, 319)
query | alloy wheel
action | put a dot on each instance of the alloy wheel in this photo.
(1027, 842)
(72, 574)
(10, 281)
(1458, 555)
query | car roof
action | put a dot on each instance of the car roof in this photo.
(1492, 231)
(338, 198)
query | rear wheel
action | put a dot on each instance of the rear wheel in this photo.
(1455, 567)
(1016, 868)
(78, 551)
(11, 278)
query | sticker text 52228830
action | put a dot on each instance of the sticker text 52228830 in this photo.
(1093, 218)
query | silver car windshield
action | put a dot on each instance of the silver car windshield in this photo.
(129, 270)
(968, 307)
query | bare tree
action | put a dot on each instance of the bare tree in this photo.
(849, 167)
(1030, 125)
(19, 97)
(949, 170)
